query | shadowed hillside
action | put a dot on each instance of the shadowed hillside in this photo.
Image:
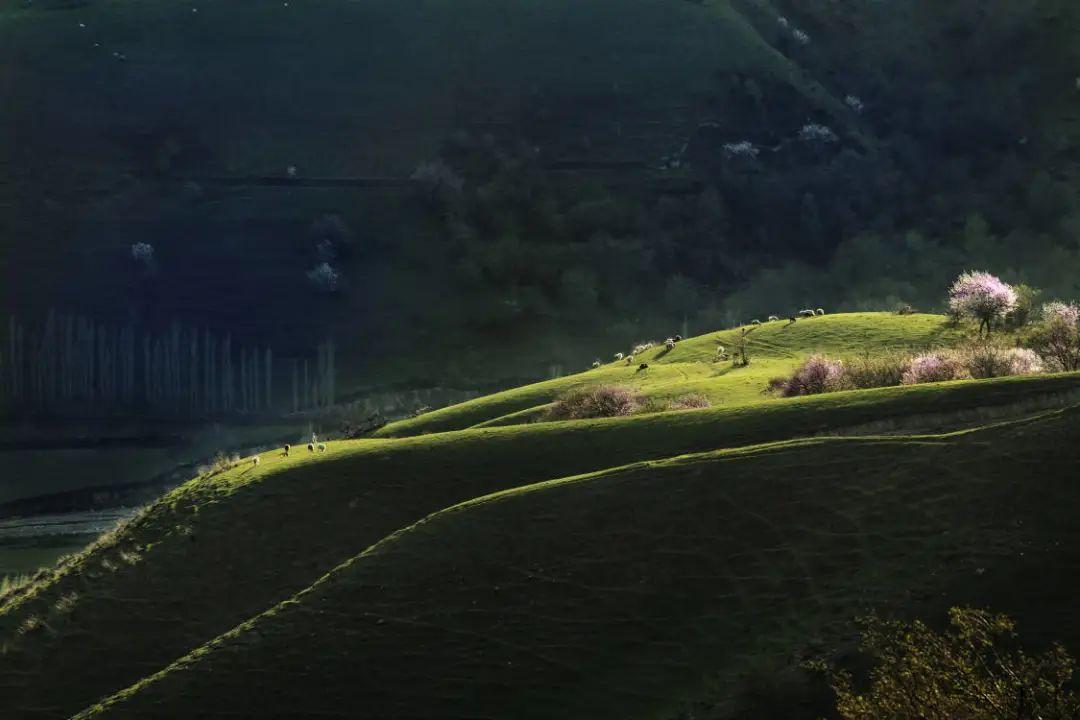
(610, 595)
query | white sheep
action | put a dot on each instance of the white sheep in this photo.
(629, 359)
(755, 321)
(255, 461)
(596, 364)
(773, 318)
(819, 311)
(619, 356)
(670, 343)
(322, 447)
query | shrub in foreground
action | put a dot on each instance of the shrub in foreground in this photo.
(974, 671)
(598, 401)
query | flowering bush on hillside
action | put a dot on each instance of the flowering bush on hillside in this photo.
(981, 296)
(1064, 312)
(817, 374)
(1058, 336)
(815, 132)
(1023, 361)
(989, 361)
(934, 367)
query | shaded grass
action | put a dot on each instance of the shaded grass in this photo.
(220, 549)
(614, 594)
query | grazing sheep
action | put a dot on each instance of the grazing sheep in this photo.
(311, 447)
(596, 364)
(773, 318)
(669, 343)
(755, 322)
(322, 447)
(638, 349)
(629, 359)
(287, 449)
(720, 350)
(678, 338)
(255, 461)
(807, 313)
(619, 356)
(643, 366)
(819, 311)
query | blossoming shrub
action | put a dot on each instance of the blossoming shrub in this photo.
(817, 374)
(934, 367)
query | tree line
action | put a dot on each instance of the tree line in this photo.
(71, 364)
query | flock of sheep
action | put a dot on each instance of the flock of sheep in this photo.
(721, 353)
(312, 446)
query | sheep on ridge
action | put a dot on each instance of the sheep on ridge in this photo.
(287, 449)
(669, 343)
(773, 318)
(255, 461)
(619, 356)
(819, 311)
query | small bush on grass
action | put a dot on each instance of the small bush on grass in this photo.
(870, 371)
(692, 401)
(596, 402)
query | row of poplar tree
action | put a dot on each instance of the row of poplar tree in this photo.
(72, 363)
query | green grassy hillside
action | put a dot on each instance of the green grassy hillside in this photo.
(775, 349)
(221, 549)
(615, 594)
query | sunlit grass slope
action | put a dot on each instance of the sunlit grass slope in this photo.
(219, 550)
(613, 595)
(775, 348)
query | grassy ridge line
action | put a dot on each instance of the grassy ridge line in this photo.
(613, 594)
(775, 348)
(220, 550)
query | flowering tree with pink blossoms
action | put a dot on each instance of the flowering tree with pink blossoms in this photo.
(983, 297)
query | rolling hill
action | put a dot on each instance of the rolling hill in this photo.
(616, 594)
(223, 549)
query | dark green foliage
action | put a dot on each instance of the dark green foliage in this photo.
(974, 671)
